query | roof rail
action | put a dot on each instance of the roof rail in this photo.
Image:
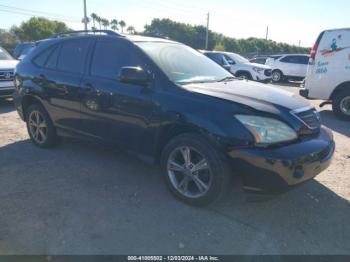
(86, 32)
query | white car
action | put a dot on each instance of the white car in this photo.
(7, 68)
(240, 66)
(285, 67)
(328, 75)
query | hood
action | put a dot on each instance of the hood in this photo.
(8, 64)
(257, 65)
(255, 95)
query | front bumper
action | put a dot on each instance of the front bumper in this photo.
(6, 89)
(280, 169)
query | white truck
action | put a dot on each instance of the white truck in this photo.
(328, 74)
(7, 68)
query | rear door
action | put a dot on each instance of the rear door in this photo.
(60, 72)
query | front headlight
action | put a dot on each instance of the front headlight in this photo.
(267, 130)
(258, 70)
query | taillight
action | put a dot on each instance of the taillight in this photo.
(314, 48)
(314, 51)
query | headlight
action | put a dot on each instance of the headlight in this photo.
(267, 130)
(258, 70)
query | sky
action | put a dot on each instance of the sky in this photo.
(288, 21)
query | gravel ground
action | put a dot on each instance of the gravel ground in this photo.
(83, 199)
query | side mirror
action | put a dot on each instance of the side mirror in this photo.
(133, 75)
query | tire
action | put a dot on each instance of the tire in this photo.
(244, 75)
(277, 76)
(40, 127)
(341, 104)
(214, 174)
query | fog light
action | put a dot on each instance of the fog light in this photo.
(298, 173)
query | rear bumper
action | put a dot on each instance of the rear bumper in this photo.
(280, 169)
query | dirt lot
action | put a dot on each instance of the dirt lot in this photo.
(84, 199)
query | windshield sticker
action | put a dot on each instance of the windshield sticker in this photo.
(334, 47)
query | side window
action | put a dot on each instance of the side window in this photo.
(286, 59)
(52, 61)
(110, 56)
(304, 60)
(72, 56)
(229, 60)
(41, 59)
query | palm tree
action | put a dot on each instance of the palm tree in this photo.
(99, 21)
(105, 23)
(114, 24)
(94, 17)
(131, 30)
(122, 25)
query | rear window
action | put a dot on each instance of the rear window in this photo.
(72, 56)
(41, 59)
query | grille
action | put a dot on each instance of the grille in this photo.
(311, 118)
(6, 75)
(268, 72)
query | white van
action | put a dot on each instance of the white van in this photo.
(328, 74)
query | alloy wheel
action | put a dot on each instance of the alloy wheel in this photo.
(276, 76)
(345, 105)
(189, 172)
(37, 127)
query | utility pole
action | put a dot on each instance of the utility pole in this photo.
(267, 32)
(207, 33)
(85, 17)
(299, 43)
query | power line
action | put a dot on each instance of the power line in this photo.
(31, 14)
(35, 11)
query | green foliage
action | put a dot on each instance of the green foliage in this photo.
(7, 39)
(194, 36)
(37, 28)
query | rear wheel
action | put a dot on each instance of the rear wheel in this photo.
(40, 127)
(341, 104)
(195, 172)
(277, 76)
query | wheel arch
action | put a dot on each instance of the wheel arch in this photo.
(340, 88)
(244, 72)
(27, 101)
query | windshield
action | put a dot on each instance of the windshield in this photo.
(182, 64)
(4, 55)
(238, 58)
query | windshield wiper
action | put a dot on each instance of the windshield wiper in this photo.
(228, 78)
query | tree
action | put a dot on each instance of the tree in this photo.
(131, 30)
(7, 39)
(99, 21)
(114, 24)
(105, 23)
(37, 28)
(94, 17)
(122, 25)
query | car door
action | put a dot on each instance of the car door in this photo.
(60, 76)
(286, 65)
(302, 62)
(113, 111)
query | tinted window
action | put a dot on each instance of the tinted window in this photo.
(72, 56)
(218, 58)
(41, 59)
(304, 60)
(110, 56)
(52, 60)
(296, 59)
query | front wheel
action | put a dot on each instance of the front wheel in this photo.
(40, 127)
(277, 76)
(341, 104)
(195, 172)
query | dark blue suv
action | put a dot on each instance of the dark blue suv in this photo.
(171, 105)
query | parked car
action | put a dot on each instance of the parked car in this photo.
(172, 105)
(7, 67)
(240, 66)
(22, 49)
(259, 60)
(328, 75)
(288, 67)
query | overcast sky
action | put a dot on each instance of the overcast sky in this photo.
(289, 21)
